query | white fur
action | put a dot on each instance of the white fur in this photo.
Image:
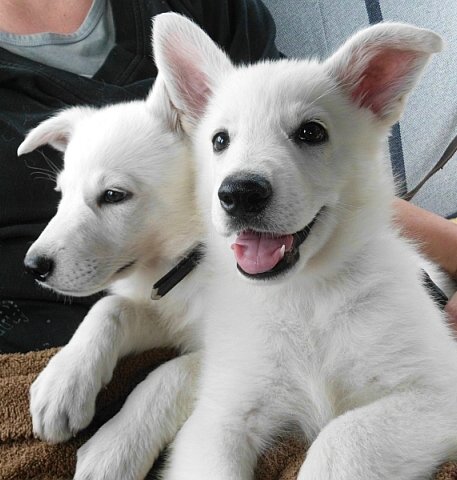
(137, 147)
(301, 351)
(347, 345)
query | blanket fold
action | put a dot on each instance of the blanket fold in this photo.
(22, 457)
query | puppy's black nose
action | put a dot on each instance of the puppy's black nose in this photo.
(244, 195)
(39, 266)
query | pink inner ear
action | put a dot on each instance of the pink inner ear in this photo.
(383, 78)
(191, 82)
(61, 138)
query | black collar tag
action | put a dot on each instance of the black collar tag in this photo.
(178, 272)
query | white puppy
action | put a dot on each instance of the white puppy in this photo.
(127, 216)
(319, 315)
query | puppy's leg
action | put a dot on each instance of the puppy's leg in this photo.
(126, 447)
(213, 446)
(62, 398)
(404, 436)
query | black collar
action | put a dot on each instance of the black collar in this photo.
(178, 272)
(434, 291)
(192, 259)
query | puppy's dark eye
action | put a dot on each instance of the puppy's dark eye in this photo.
(311, 133)
(113, 196)
(221, 141)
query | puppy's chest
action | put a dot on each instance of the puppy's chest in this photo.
(298, 347)
(309, 360)
(297, 332)
(303, 352)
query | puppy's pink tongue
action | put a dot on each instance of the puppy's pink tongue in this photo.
(259, 253)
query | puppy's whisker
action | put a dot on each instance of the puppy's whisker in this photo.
(39, 176)
(40, 169)
(54, 168)
(43, 171)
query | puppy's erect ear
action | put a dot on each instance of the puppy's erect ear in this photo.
(159, 104)
(189, 61)
(56, 131)
(380, 65)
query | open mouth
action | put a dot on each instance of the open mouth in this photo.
(264, 255)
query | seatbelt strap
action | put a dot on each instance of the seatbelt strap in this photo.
(447, 155)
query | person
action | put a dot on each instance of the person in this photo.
(98, 52)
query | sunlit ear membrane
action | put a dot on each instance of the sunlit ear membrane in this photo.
(380, 65)
(56, 131)
(190, 63)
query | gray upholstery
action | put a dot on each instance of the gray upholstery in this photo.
(317, 27)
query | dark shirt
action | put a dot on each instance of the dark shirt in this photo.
(31, 317)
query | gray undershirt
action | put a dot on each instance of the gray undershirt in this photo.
(82, 52)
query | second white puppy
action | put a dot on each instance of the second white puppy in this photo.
(126, 218)
(320, 318)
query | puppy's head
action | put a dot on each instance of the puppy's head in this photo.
(290, 152)
(127, 194)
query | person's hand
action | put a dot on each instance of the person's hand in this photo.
(451, 310)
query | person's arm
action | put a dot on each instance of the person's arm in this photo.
(451, 310)
(436, 236)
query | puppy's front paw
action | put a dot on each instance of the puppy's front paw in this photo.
(328, 459)
(113, 453)
(62, 398)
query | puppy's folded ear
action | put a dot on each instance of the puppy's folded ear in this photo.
(56, 131)
(380, 65)
(190, 63)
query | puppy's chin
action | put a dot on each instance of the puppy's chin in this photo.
(87, 291)
(91, 286)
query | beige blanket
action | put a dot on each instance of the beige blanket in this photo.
(22, 457)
